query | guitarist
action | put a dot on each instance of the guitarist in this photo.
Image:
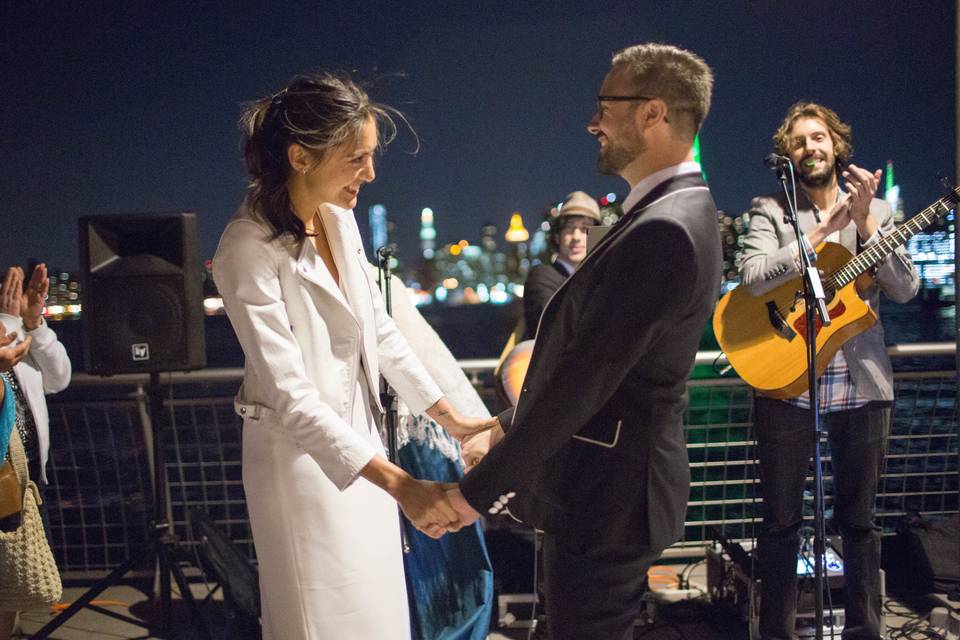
(855, 391)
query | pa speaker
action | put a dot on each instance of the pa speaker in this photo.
(142, 293)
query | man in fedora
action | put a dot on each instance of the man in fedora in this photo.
(568, 241)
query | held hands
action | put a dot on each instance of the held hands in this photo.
(426, 504)
(468, 515)
(474, 448)
(460, 427)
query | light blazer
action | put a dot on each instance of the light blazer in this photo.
(769, 260)
(304, 346)
(46, 369)
(596, 445)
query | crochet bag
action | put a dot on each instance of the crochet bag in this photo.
(11, 495)
(28, 572)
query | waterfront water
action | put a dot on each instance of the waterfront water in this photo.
(480, 331)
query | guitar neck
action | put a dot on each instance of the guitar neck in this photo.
(871, 256)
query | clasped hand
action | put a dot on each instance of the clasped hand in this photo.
(465, 429)
(435, 508)
(427, 506)
(460, 427)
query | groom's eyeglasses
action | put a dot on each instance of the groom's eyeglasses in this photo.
(602, 99)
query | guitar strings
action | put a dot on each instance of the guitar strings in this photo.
(849, 272)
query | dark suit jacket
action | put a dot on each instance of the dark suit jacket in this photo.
(596, 446)
(542, 282)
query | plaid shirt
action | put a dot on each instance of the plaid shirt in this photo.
(834, 388)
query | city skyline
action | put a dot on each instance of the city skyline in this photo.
(125, 107)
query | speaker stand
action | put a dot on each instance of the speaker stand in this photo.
(161, 547)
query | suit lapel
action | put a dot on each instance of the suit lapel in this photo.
(684, 181)
(341, 247)
(348, 256)
(310, 267)
(676, 183)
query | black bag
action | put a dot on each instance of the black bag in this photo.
(231, 568)
(924, 556)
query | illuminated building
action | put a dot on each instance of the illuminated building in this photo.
(892, 194)
(428, 235)
(516, 232)
(377, 215)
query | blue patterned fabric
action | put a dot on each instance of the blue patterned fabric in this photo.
(7, 418)
(450, 580)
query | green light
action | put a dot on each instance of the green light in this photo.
(696, 155)
(890, 181)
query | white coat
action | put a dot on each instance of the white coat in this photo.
(45, 369)
(328, 544)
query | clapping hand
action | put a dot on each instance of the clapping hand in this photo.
(31, 306)
(11, 292)
(836, 218)
(862, 186)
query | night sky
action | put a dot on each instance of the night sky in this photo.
(123, 107)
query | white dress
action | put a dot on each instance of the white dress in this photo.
(328, 541)
(319, 583)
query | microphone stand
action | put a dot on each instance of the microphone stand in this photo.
(815, 308)
(388, 396)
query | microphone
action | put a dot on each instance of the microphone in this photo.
(775, 162)
(387, 251)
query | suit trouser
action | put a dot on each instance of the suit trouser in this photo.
(592, 591)
(786, 440)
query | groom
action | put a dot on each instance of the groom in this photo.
(597, 458)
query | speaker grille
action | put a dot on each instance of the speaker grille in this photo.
(142, 295)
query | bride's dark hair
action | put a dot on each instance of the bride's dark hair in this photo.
(318, 112)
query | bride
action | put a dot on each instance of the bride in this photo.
(290, 267)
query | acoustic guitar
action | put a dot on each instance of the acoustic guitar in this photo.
(764, 337)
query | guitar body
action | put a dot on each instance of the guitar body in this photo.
(764, 336)
(512, 371)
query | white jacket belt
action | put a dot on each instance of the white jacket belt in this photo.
(303, 345)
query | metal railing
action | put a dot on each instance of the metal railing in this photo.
(100, 489)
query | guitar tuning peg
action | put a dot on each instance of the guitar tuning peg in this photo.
(945, 183)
